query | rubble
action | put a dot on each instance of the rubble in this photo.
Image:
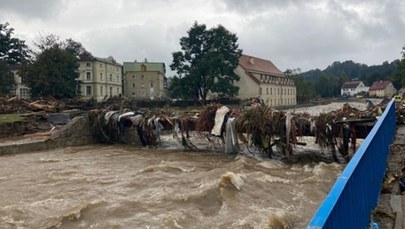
(259, 128)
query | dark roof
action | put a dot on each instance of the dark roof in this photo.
(254, 64)
(379, 85)
(89, 57)
(351, 84)
(86, 57)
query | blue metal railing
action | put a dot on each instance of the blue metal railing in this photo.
(355, 194)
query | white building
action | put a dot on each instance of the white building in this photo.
(352, 88)
(21, 90)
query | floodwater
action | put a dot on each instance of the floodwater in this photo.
(121, 186)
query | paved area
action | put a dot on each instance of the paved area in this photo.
(398, 157)
(397, 197)
(390, 212)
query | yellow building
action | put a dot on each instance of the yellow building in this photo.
(144, 80)
(382, 89)
(261, 78)
(100, 78)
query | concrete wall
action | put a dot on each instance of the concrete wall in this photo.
(77, 132)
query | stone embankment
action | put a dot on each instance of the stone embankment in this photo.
(76, 132)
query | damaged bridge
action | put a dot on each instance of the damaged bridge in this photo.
(259, 129)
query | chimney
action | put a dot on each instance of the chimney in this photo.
(251, 60)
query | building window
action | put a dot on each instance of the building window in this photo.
(111, 91)
(142, 86)
(133, 77)
(88, 90)
(271, 91)
(88, 76)
(101, 65)
(88, 64)
(118, 79)
(267, 90)
(142, 76)
(260, 91)
(110, 77)
(101, 90)
(24, 92)
(151, 84)
(101, 76)
(133, 85)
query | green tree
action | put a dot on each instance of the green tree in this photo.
(7, 81)
(13, 54)
(55, 68)
(178, 89)
(206, 63)
(400, 76)
(305, 89)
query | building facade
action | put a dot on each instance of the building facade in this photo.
(20, 89)
(382, 89)
(260, 78)
(352, 88)
(100, 78)
(145, 80)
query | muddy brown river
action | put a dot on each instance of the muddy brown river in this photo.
(119, 186)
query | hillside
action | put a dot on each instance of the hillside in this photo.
(327, 82)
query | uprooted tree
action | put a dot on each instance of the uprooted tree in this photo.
(206, 63)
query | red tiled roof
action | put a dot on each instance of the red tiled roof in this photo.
(254, 64)
(379, 85)
(351, 84)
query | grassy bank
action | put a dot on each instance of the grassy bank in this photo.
(10, 118)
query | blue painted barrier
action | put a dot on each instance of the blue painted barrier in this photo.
(355, 193)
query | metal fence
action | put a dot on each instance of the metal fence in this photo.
(355, 194)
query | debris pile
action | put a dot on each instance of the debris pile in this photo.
(123, 126)
(257, 128)
(400, 107)
(14, 105)
(49, 105)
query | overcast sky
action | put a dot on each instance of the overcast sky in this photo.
(304, 34)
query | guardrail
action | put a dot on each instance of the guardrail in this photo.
(355, 194)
